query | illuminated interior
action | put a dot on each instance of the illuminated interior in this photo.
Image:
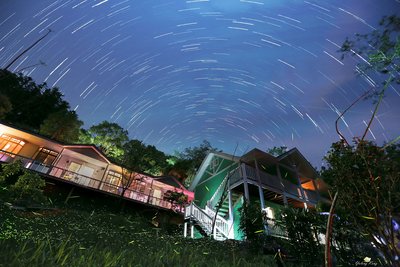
(10, 144)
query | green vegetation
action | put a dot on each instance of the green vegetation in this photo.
(367, 177)
(22, 187)
(27, 104)
(87, 232)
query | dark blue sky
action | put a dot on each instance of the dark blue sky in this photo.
(260, 73)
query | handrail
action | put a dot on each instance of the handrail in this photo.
(206, 221)
(88, 182)
(218, 193)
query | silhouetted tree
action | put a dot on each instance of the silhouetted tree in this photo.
(31, 102)
(5, 106)
(277, 151)
(189, 160)
(63, 126)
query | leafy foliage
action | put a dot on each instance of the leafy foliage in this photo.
(251, 221)
(5, 106)
(302, 228)
(9, 172)
(277, 151)
(381, 47)
(186, 163)
(31, 103)
(174, 197)
(109, 137)
(62, 125)
(24, 187)
(29, 188)
(143, 158)
(367, 177)
(99, 237)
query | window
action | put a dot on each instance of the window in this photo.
(46, 156)
(10, 144)
(111, 182)
(113, 177)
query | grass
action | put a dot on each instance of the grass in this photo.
(83, 233)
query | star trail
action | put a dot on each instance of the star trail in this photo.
(259, 73)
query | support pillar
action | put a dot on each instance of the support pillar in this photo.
(260, 189)
(185, 229)
(299, 183)
(104, 175)
(230, 205)
(231, 218)
(245, 184)
(278, 171)
(192, 230)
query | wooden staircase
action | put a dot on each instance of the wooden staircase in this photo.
(224, 210)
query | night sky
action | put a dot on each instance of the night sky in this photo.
(257, 73)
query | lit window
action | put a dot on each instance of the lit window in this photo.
(46, 156)
(10, 144)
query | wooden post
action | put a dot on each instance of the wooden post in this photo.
(104, 175)
(278, 171)
(245, 184)
(260, 190)
(185, 229)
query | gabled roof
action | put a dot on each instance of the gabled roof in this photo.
(259, 155)
(205, 164)
(91, 151)
(293, 157)
(169, 180)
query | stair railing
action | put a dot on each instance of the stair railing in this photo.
(218, 193)
(205, 221)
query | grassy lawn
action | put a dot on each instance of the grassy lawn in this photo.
(82, 234)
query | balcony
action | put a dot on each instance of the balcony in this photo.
(90, 182)
(311, 196)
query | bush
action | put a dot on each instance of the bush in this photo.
(29, 188)
(22, 187)
(252, 225)
(302, 227)
(10, 172)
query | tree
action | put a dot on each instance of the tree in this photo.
(63, 126)
(5, 106)
(302, 227)
(380, 52)
(176, 198)
(109, 137)
(145, 158)
(31, 102)
(24, 186)
(187, 162)
(277, 151)
(381, 48)
(367, 177)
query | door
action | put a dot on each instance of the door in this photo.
(87, 172)
(80, 173)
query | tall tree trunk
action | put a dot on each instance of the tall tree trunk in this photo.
(26, 50)
(328, 237)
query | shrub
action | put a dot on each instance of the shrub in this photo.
(29, 188)
(10, 172)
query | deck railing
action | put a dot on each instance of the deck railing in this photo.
(90, 182)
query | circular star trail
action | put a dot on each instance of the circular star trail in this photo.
(255, 73)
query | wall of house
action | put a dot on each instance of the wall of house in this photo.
(29, 150)
(64, 163)
(205, 190)
(236, 223)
